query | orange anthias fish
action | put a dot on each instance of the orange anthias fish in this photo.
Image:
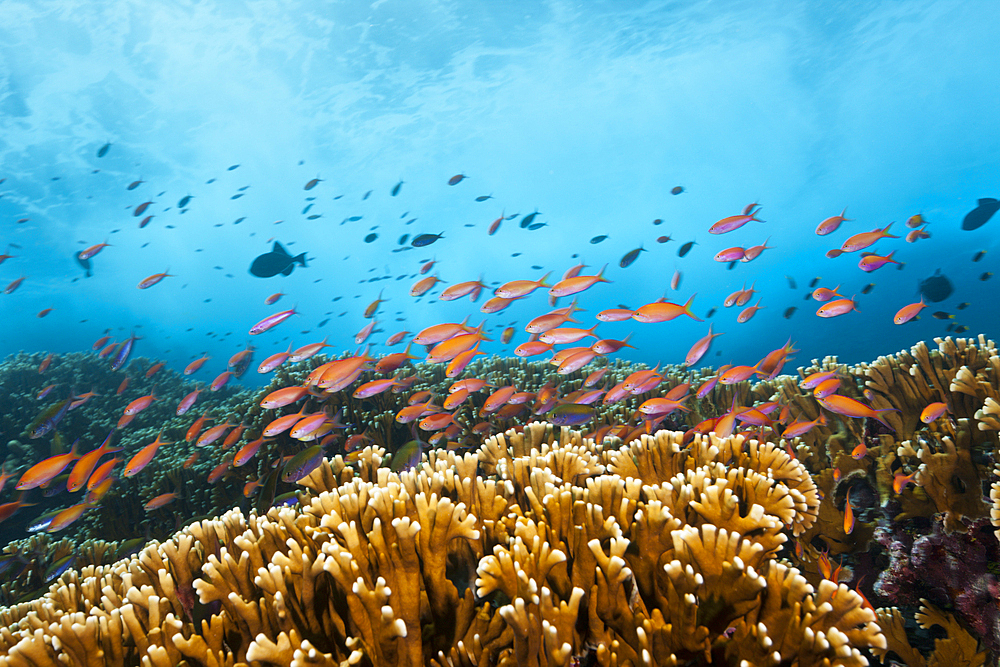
(699, 349)
(93, 250)
(373, 306)
(68, 516)
(932, 412)
(515, 289)
(848, 407)
(837, 307)
(46, 470)
(195, 365)
(664, 311)
(145, 455)
(161, 500)
(85, 466)
(907, 313)
(831, 224)
(848, 515)
(577, 284)
(153, 279)
(899, 481)
(102, 473)
(866, 239)
(424, 285)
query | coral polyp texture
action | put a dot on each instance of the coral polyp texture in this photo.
(539, 549)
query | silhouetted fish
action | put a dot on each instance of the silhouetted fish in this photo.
(104, 149)
(685, 249)
(425, 240)
(395, 188)
(980, 215)
(598, 239)
(275, 262)
(936, 288)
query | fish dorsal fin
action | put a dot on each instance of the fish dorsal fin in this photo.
(278, 248)
(987, 200)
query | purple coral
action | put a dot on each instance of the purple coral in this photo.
(957, 572)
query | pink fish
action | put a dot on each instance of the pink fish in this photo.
(730, 254)
(831, 224)
(849, 407)
(699, 349)
(872, 262)
(733, 222)
(271, 321)
(838, 307)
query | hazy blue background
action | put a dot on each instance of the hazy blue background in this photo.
(588, 112)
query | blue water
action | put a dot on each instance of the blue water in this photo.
(587, 112)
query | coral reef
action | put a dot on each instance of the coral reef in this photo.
(557, 549)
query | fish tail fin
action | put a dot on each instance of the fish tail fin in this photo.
(845, 219)
(301, 259)
(600, 275)
(542, 283)
(689, 312)
(878, 417)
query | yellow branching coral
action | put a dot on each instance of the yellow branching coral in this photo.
(957, 649)
(538, 549)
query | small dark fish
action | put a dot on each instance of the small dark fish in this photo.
(536, 267)
(986, 276)
(663, 239)
(791, 282)
(403, 239)
(456, 179)
(528, 219)
(512, 216)
(277, 261)
(484, 197)
(134, 184)
(315, 216)
(58, 568)
(630, 257)
(814, 282)
(311, 184)
(185, 200)
(209, 181)
(408, 455)
(789, 312)
(367, 195)
(302, 464)
(207, 301)
(371, 237)
(337, 197)
(598, 239)
(658, 221)
(425, 240)
(980, 215)
(676, 190)
(868, 288)
(571, 414)
(807, 296)
(951, 327)
(237, 196)
(979, 255)
(410, 221)
(355, 218)
(731, 266)
(941, 315)
(233, 167)
(103, 150)
(685, 249)
(962, 306)
(306, 209)
(239, 220)
(395, 188)
(323, 323)
(531, 228)
(710, 313)
(515, 254)
(961, 329)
